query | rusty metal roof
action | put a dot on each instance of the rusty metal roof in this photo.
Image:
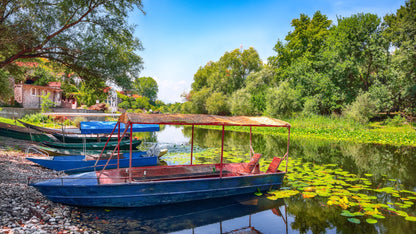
(198, 119)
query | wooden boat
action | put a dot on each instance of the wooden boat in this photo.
(124, 145)
(22, 133)
(62, 151)
(78, 138)
(50, 130)
(87, 130)
(157, 185)
(79, 163)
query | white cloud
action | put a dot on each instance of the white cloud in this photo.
(170, 90)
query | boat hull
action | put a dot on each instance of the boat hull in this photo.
(84, 190)
(62, 151)
(75, 138)
(22, 133)
(77, 163)
(124, 145)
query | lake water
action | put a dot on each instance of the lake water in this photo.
(379, 166)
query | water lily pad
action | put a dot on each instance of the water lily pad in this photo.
(258, 193)
(378, 216)
(354, 220)
(346, 213)
(411, 218)
(371, 221)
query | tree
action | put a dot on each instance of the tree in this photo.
(400, 31)
(217, 104)
(308, 38)
(282, 101)
(356, 54)
(91, 37)
(146, 87)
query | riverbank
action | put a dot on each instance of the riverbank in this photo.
(22, 208)
(340, 129)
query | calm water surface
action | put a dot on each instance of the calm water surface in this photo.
(388, 166)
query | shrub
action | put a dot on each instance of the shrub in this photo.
(240, 103)
(46, 103)
(311, 106)
(396, 121)
(362, 109)
(282, 101)
(77, 121)
(217, 104)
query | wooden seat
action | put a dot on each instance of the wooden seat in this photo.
(252, 164)
(274, 165)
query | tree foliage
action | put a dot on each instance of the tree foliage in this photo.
(146, 87)
(360, 65)
(91, 38)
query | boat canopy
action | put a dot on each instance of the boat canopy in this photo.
(97, 127)
(198, 119)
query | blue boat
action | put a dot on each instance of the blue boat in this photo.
(79, 163)
(158, 185)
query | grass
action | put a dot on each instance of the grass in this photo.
(340, 129)
(10, 121)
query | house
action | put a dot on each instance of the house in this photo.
(29, 95)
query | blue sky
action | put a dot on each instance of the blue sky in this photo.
(179, 36)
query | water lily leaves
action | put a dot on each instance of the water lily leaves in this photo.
(346, 213)
(308, 194)
(274, 195)
(348, 191)
(354, 220)
(258, 194)
(378, 216)
(411, 218)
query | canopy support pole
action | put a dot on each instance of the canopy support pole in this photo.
(118, 146)
(192, 144)
(288, 142)
(222, 149)
(131, 148)
(251, 147)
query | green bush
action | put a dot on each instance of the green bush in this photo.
(240, 103)
(35, 118)
(396, 121)
(362, 109)
(311, 106)
(282, 101)
(77, 121)
(217, 104)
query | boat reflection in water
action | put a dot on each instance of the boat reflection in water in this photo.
(221, 215)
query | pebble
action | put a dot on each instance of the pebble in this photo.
(23, 209)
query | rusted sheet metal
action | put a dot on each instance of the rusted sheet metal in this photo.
(198, 119)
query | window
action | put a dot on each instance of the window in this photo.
(33, 91)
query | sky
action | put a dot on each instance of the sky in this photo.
(179, 36)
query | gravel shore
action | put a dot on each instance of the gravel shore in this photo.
(22, 208)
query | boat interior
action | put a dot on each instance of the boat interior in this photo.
(176, 172)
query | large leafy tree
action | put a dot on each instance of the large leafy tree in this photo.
(400, 30)
(307, 39)
(146, 87)
(91, 37)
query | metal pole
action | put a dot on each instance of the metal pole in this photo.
(192, 144)
(222, 149)
(287, 151)
(251, 147)
(131, 147)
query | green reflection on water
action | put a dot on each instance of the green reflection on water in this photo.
(369, 181)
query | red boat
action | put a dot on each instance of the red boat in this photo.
(156, 185)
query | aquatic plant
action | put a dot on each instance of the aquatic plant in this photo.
(359, 198)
